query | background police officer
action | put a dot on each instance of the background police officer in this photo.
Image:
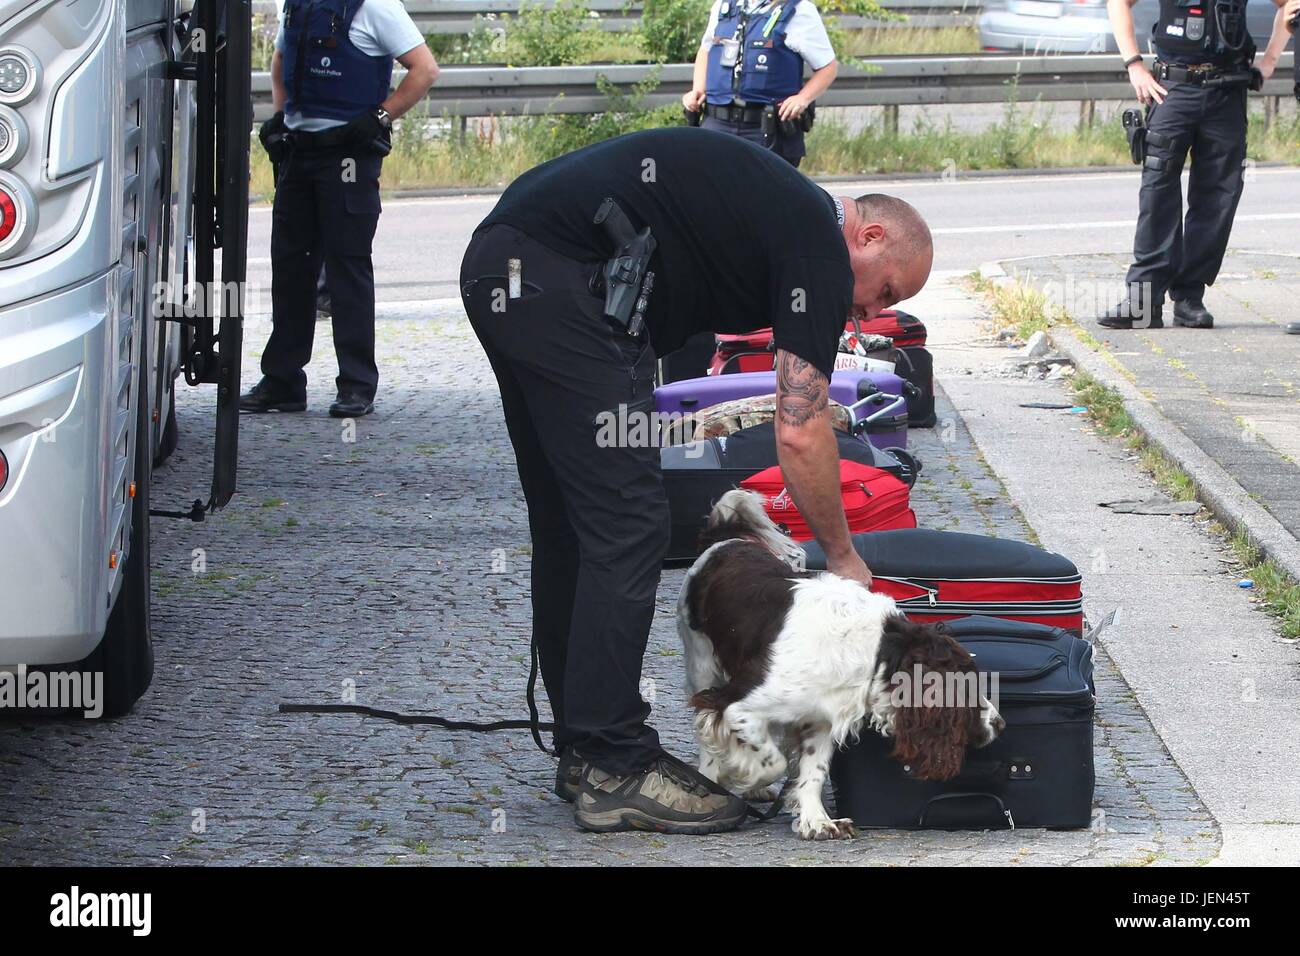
(330, 77)
(752, 57)
(1196, 100)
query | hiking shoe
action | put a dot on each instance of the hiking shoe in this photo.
(666, 797)
(568, 775)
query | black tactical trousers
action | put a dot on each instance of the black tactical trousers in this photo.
(597, 511)
(1172, 254)
(791, 149)
(326, 210)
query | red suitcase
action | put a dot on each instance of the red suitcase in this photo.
(903, 327)
(874, 500)
(941, 575)
(753, 351)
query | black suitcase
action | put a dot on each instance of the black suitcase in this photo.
(915, 364)
(697, 474)
(690, 361)
(1038, 773)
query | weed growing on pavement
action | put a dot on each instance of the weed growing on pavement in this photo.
(1276, 592)
(1105, 406)
(1016, 306)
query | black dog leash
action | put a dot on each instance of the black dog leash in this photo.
(533, 723)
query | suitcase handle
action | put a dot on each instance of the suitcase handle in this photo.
(1003, 812)
(892, 405)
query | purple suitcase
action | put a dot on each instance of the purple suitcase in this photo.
(878, 399)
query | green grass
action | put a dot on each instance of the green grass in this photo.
(1277, 593)
(903, 41)
(1016, 306)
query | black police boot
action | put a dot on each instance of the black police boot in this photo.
(1192, 314)
(1130, 315)
(267, 396)
(351, 405)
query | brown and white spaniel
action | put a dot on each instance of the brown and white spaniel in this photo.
(781, 660)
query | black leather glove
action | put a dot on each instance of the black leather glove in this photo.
(365, 129)
(272, 135)
(367, 132)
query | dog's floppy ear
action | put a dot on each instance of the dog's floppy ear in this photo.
(931, 739)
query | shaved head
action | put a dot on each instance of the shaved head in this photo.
(910, 235)
(890, 251)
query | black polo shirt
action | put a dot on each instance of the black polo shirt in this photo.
(745, 240)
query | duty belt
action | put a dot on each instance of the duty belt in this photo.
(314, 141)
(1200, 74)
(745, 115)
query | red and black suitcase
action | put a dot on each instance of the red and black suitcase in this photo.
(874, 500)
(943, 575)
(753, 352)
(697, 474)
(903, 327)
(1039, 772)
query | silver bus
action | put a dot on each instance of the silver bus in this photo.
(124, 136)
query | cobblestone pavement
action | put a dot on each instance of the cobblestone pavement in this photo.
(398, 561)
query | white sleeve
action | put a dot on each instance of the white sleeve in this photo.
(707, 39)
(806, 35)
(279, 32)
(384, 28)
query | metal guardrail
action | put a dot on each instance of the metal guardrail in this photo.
(458, 16)
(894, 81)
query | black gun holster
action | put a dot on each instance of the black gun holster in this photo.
(625, 278)
(1135, 128)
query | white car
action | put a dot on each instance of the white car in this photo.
(1082, 26)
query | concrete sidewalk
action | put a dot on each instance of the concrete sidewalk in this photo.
(1208, 667)
(1231, 390)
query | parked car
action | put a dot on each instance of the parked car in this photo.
(1081, 26)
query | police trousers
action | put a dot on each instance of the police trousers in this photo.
(1171, 253)
(326, 211)
(597, 512)
(790, 148)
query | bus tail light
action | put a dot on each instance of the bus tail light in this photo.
(9, 213)
(4, 471)
(17, 214)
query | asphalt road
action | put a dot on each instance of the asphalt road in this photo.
(420, 241)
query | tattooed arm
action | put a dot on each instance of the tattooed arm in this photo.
(810, 461)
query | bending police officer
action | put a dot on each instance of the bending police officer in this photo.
(569, 363)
